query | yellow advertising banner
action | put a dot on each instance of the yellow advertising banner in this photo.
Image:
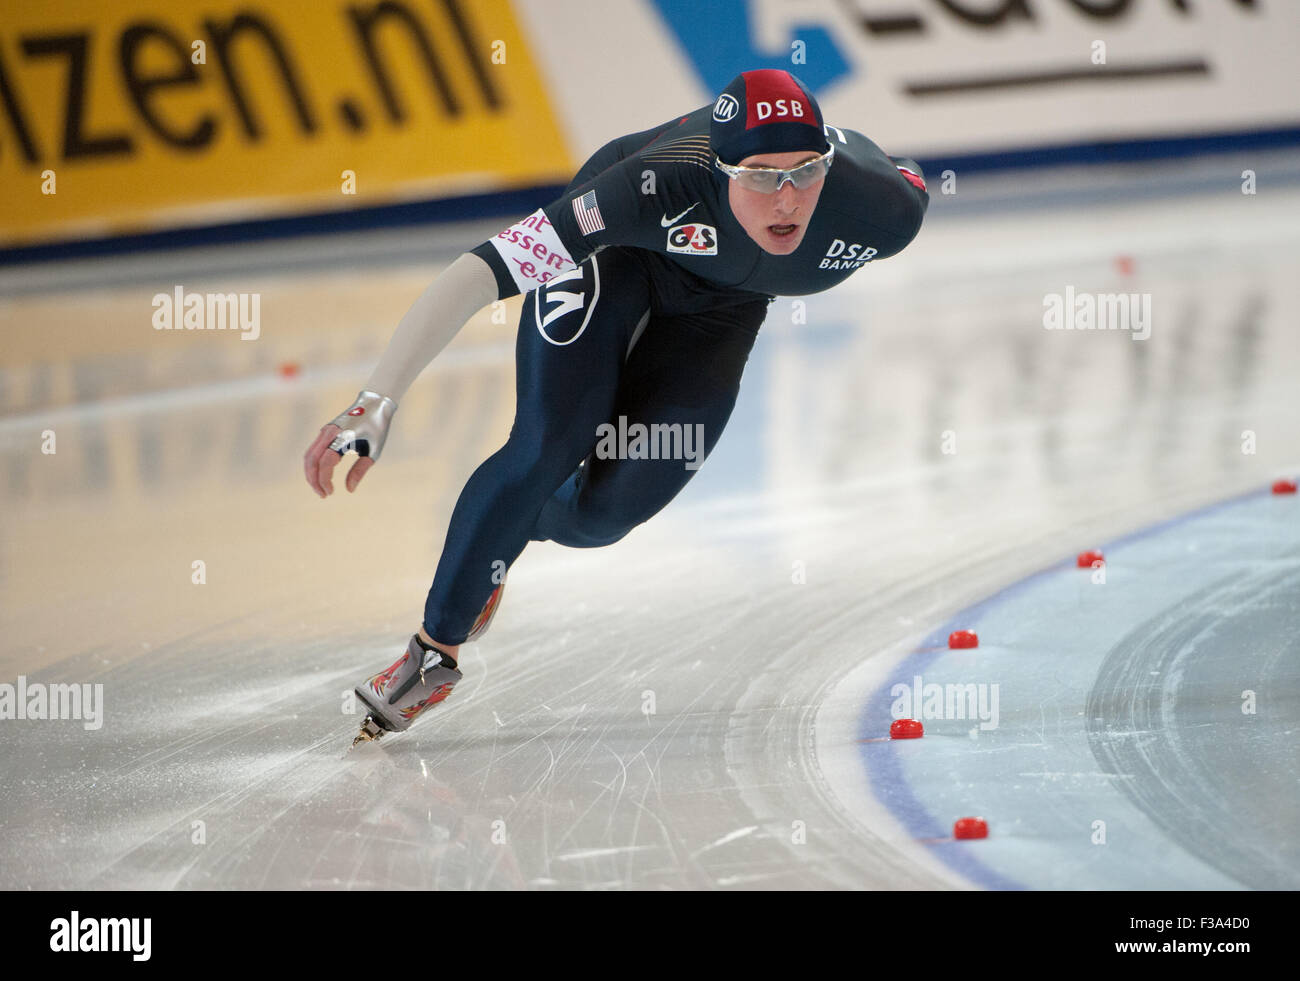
(133, 115)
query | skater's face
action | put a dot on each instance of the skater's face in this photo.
(778, 221)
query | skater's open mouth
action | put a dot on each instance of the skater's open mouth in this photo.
(782, 230)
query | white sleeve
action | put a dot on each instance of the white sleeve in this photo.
(463, 289)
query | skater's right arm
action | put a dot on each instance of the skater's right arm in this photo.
(464, 288)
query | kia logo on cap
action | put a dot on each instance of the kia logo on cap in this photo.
(725, 108)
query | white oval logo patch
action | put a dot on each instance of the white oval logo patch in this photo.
(725, 108)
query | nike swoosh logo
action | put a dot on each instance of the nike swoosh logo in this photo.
(666, 222)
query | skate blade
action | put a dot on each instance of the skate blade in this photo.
(370, 732)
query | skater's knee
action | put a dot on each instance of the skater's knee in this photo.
(606, 520)
(580, 525)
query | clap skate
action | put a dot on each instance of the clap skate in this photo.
(394, 698)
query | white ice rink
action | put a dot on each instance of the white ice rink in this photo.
(702, 704)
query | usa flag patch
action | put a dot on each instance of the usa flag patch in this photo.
(587, 212)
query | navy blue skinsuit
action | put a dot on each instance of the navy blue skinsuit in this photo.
(651, 316)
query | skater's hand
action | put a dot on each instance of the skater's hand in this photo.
(364, 428)
(320, 461)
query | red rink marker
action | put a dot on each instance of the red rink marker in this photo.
(1124, 263)
(1284, 486)
(906, 729)
(963, 638)
(970, 828)
(1086, 559)
(288, 369)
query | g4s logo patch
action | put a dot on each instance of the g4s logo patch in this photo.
(693, 239)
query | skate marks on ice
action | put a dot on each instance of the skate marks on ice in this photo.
(1142, 738)
(221, 769)
(1201, 704)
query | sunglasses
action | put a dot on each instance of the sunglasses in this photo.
(768, 180)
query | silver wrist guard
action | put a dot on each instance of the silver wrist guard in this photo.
(364, 426)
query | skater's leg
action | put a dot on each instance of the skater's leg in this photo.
(682, 377)
(573, 336)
